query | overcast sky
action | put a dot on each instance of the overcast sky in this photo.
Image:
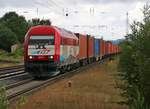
(101, 18)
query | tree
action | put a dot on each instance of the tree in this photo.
(135, 64)
(45, 22)
(35, 22)
(7, 38)
(16, 24)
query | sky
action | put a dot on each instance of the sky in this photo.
(101, 18)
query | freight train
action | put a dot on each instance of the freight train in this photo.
(49, 50)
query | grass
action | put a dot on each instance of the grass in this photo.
(10, 59)
(3, 98)
(91, 89)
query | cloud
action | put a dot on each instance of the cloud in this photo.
(104, 1)
(31, 3)
(108, 13)
(17, 3)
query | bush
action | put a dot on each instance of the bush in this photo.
(3, 98)
(19, 52)
(135, 64)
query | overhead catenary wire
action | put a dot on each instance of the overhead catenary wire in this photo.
(48, 6)
(54, 6)
(53, 3)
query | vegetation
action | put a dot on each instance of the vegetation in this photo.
(16, 23)
(135, 64)
(92, 88)
(3, 98)
(12, 30)
(14, 58)
(35, 22)
(14, 27)
(7, 38)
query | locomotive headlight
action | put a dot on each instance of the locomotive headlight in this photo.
(51, 57)
(30, 57)
(41, 47)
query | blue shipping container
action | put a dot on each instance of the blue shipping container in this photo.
(96, 47)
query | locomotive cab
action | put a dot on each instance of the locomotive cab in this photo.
(41, 47)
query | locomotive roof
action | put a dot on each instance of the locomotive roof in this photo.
(63, 32)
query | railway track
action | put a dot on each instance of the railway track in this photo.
(19, 83)
(11, 71)
(12, 81)
(18, 90)
(13, 67)
(14, 76)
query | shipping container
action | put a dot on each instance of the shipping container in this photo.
(96, 49)
(82, 48)
(108, 48)
(114, 49)
(102, 48)
(90, 48)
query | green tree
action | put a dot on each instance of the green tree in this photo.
(35, 22)
(135, 64)
(45, 22)
(16, 23)
(7, 38)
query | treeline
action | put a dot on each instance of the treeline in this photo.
(14, 27)
(135, 64)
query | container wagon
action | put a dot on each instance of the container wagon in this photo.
(102, 48)
(82, 48)
(90, 47)
(96, 49)
(108, 48)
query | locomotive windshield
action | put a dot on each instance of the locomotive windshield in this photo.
(41, 40)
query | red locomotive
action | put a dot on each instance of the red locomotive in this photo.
(48, 49)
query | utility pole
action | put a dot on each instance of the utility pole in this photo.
(147, 2)
(92, 11)
(66, 12)
(127, 23)
(63, 10)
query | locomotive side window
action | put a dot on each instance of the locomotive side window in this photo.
(41, 40)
